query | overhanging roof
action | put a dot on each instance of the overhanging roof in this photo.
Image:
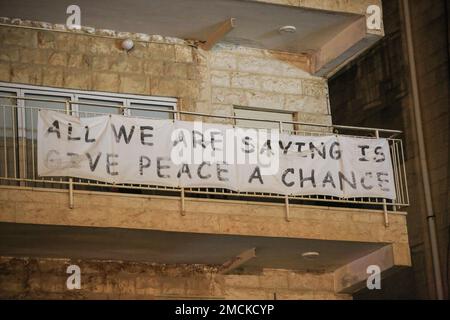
(176, 247)
(330, 32)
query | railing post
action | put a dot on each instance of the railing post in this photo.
(71, 206)
(183, 211)
(385, 211)
(286, 204)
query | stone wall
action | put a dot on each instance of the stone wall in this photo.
(374, 90)
(207, 216)
(39, 278)
(205, 81)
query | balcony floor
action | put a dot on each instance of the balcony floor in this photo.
(174, 247)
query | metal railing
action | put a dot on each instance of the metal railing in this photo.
(18, 157)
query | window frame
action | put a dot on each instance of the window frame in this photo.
(267, 110)
(127, 99)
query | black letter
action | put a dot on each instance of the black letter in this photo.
(379, 152)
(285, 149)
(55, 129)
(248, 144)
(69, 134)
(86, 136)
(283, 177)
(381, 181)
(93, 166)
(110, 164)
(256, 174)
(141, 164)
(328, 179)
(184, 169)
(200, 142)
(159, 167)
(311, 178)
(335, 155)
(73, 159)
(299, 147)
(312, 147)
(363, 181)
(145, 135)
(122, 132)
(363, 152)
(199, 171)
(219, 172)
(343, 178)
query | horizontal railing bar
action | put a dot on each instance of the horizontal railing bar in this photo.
(366, 129)
(192, 191)
(23, 177)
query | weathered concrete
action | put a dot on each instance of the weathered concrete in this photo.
(375, 90)
(204, 81)
(97, 209)
(25, 278)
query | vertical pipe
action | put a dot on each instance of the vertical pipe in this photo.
(70, 179)
(5, 141)
(286, 203)
(423, 154)
(183, 211)
(385, 211)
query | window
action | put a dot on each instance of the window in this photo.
(8, 133)
(18, 118)
(263, 114)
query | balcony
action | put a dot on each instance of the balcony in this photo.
(87, 219)
(329, 33)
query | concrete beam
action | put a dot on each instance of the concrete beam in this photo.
(120, 210)
(353, 276)
(344, 47)
(343, 6)
(219, 33)
(237, 261)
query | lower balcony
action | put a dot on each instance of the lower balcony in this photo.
(248, 244)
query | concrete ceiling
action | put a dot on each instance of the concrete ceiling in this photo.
(256, 23)
(174, 247)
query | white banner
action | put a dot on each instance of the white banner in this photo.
(119, 149)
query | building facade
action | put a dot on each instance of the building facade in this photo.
(149, 242)
(381, 86)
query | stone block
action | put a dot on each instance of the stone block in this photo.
(77, 79)
(52, 76)
(34, 56)
(268, 100)
(5, 71)
(79, 61)
(134, 83)
(245, 80)
(18, 37)
(281, 85)
(26, 73)
(9, 54)
(228, 96)
(163, 87)
(154, 68)
(46, 40)
(222, 61)
(306, 104)
(161, 51)
(175, 70)
(57, 59)
(105, 81)
(183, 53)
(315, 88)
(220, 78)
